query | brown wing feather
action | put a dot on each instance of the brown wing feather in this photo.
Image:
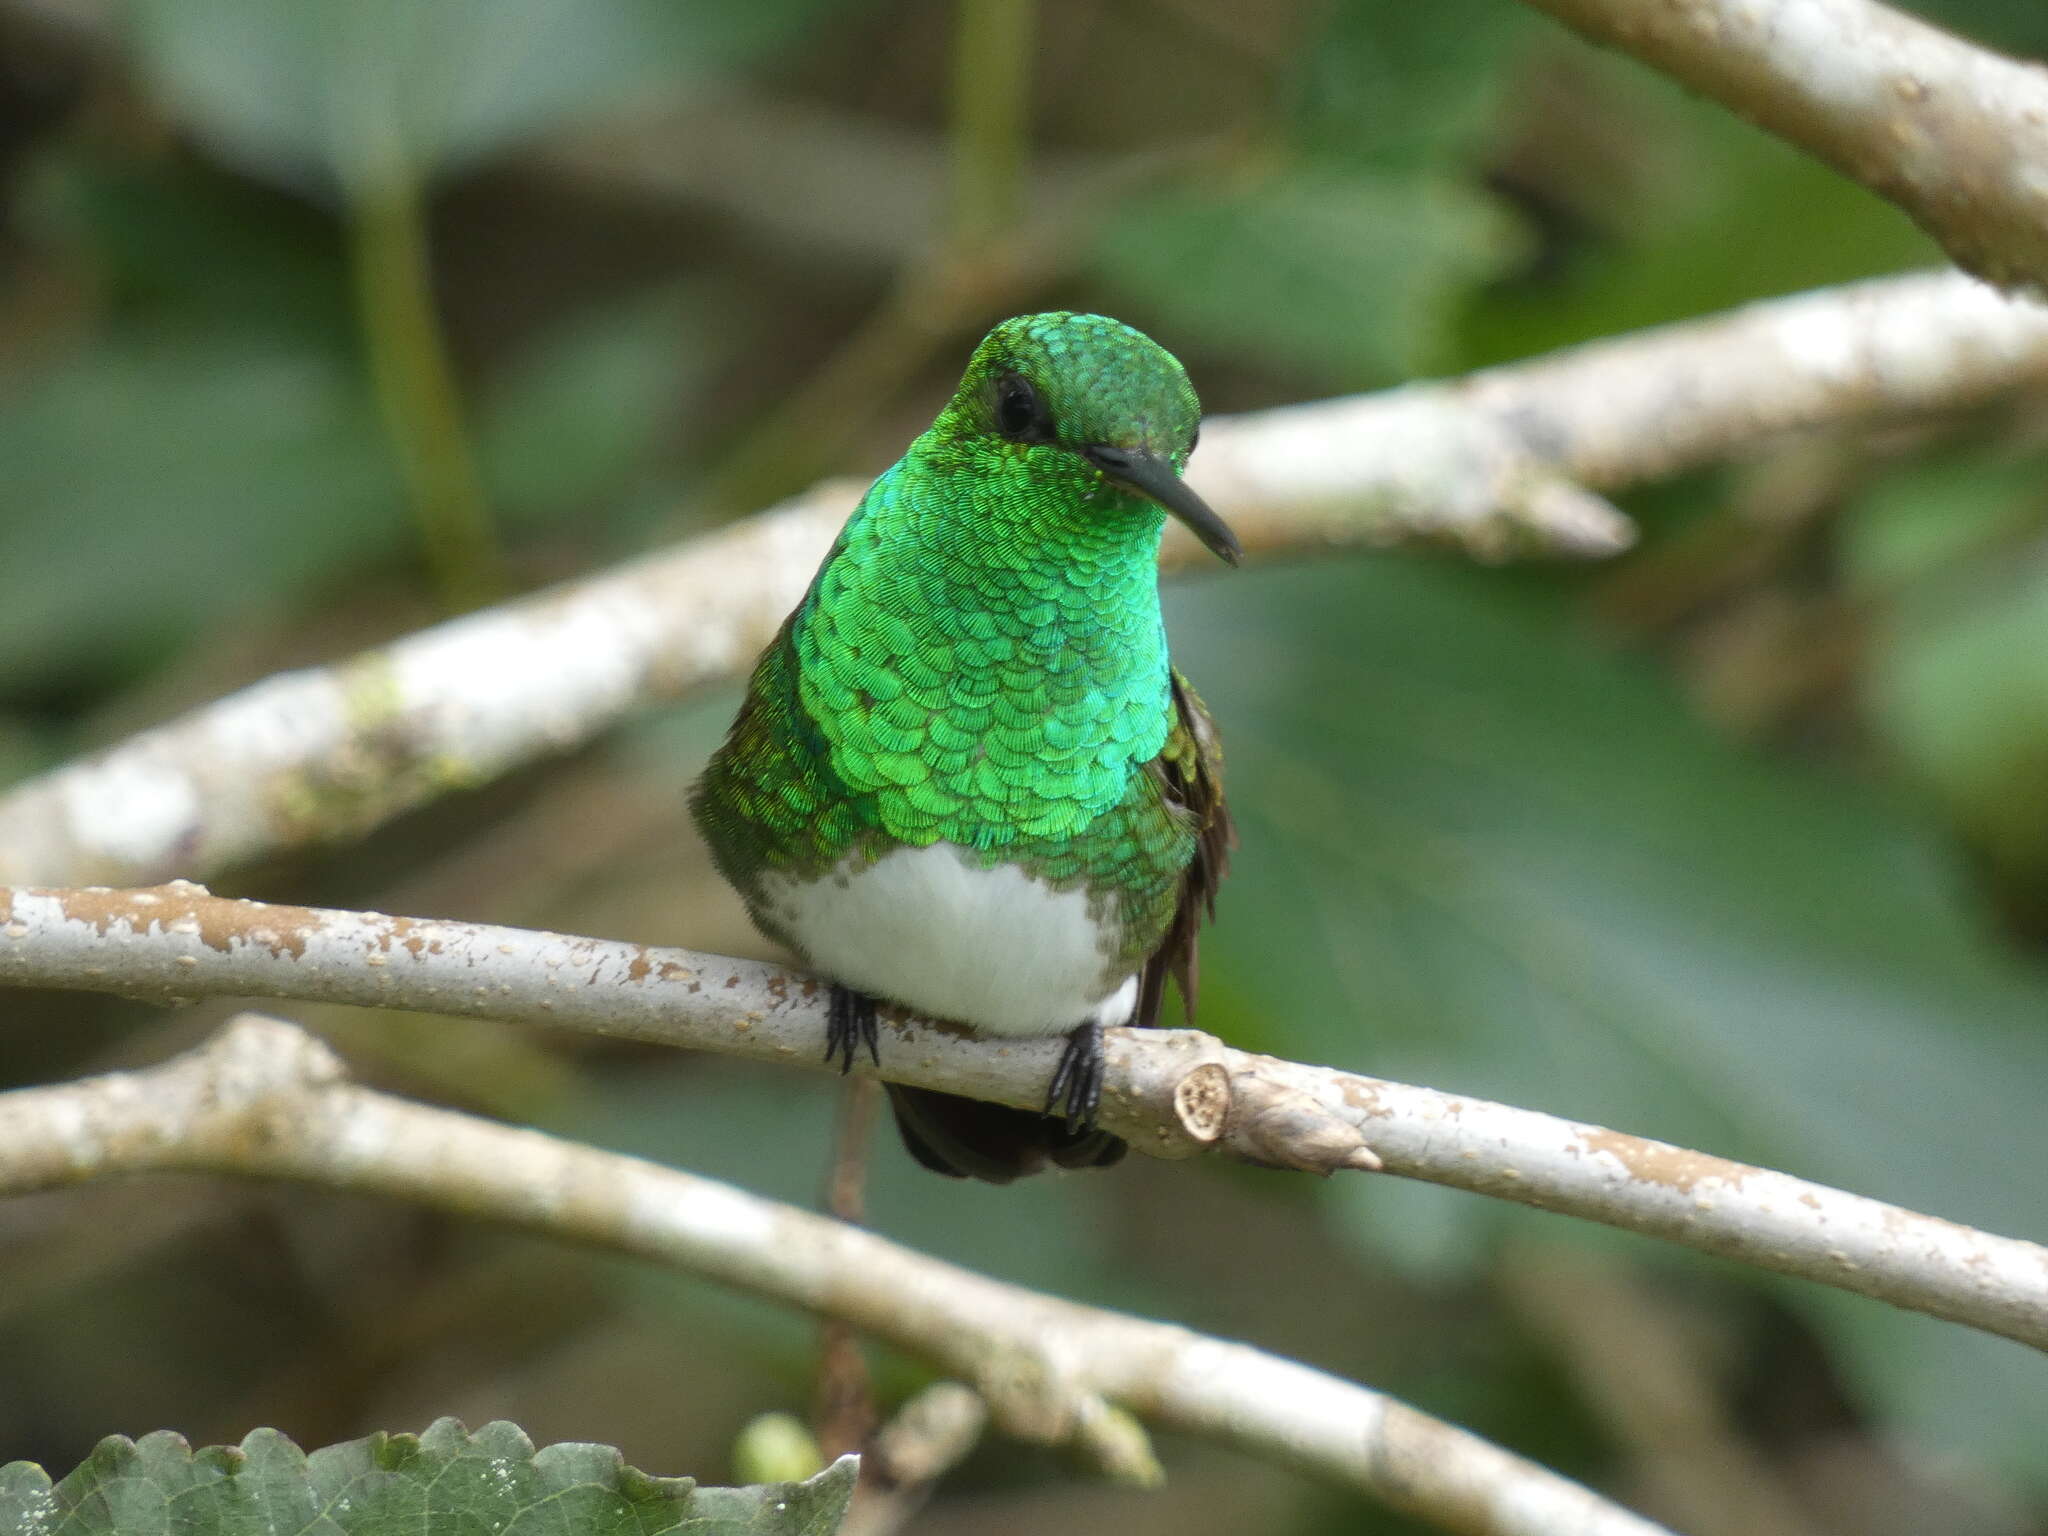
(1189, 773)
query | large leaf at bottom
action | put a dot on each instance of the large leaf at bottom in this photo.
(446, 1482)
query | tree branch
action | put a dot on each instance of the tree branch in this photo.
(265, 1098)
(1494, 460)
(1955, 134)
(926, 1439)
(1171, 1093)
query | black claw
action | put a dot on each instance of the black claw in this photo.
(1076, 1087)
(850, 1024)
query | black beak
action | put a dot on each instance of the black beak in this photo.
(1150, 475)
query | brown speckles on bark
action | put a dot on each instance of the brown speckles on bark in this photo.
(182, 907)
(1654, 1162)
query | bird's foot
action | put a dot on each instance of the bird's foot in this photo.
(849, 1025)
(1076, 1087)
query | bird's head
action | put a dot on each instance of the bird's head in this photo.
(1084, 399)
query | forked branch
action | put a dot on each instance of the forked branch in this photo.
(264, 1098)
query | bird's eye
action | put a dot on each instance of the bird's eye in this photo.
(1019, 414)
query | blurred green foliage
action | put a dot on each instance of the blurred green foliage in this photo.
(324, 93)
(1739, 841)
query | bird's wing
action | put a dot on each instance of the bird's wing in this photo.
(767, 797)
(1189, 776)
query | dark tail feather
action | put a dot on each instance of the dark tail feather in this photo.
(968, 1139)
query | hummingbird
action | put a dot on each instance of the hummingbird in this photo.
(966, 777)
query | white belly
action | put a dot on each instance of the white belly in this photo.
(991, 948)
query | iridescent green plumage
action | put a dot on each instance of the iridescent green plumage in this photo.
(981, 666)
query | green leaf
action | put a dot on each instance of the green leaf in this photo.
(176, 480)
(1947, 557)
(2015, 26)
(446, 1482)
(584, 407)
(1405, 86)
(186, 240)
(1482, 851)
(1351, 273)
(343, 90)
(1969, 1394)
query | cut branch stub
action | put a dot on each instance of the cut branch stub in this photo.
(1202, 1100)
(1288, 1127)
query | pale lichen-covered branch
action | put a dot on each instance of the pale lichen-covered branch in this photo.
(264, 1098)
(1955, 134)
(1503, 460)
(924, 1440)
(1172, 1093)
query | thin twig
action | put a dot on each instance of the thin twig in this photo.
(414, 381)
(993, 49)
(1172, 1093)
(845, 1408)
(925, 1439)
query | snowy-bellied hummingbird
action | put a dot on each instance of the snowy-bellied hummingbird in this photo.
(966, 778)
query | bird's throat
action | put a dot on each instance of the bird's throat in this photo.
(992, 676)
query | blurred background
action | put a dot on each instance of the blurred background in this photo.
(320, 321)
